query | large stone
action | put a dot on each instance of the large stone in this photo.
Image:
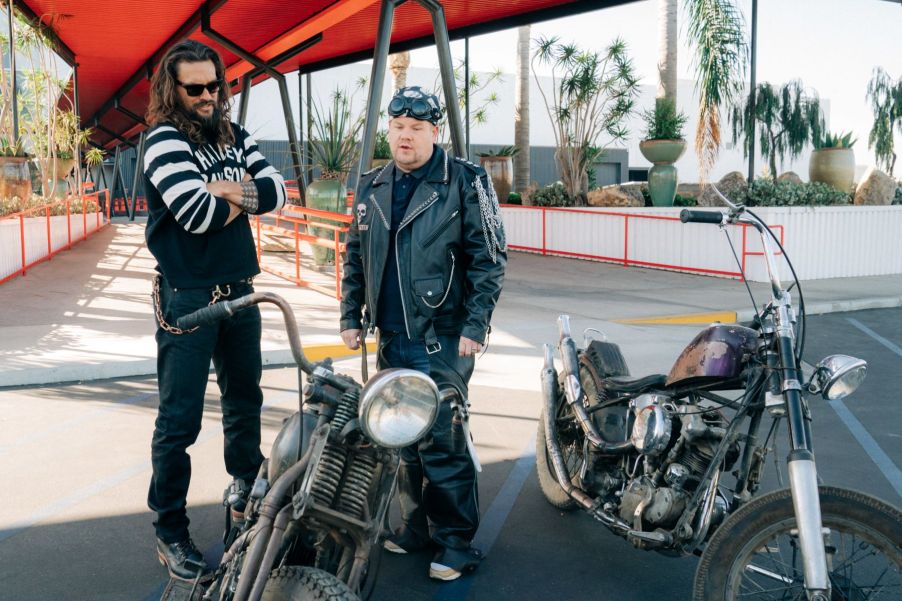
(616, 196)
(729, 185)
(689, 189)
(790, 176)
(875, 188)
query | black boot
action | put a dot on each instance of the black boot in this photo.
(182, 558)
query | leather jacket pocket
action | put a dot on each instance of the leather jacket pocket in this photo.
(431, 291)
(435, 233)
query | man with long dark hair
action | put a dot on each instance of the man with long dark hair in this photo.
(203, 175)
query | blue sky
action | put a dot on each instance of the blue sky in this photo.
(831, 45)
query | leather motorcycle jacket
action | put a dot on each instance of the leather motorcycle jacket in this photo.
(450, 247)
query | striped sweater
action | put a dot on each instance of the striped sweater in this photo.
(186, 225)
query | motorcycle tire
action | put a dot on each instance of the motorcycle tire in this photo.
(753, 555)
(295, 583)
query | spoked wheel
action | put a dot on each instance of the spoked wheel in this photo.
(755, 554)
(295, 583)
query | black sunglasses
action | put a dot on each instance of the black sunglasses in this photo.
(413, 107)
(196, 89)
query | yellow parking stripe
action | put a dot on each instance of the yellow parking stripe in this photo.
(687, 319)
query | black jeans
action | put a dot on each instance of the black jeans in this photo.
(436, 478)
(183, 367)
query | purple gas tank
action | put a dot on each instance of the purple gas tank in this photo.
(717, 353)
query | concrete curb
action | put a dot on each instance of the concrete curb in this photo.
(820, 308)
(63, 374)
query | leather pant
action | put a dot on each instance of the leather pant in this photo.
(436, 478)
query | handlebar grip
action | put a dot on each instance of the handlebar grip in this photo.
(206, 315)
(690, 216)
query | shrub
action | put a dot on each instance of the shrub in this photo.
(664, 122)
(770, 193)
(514, 198)
(897, 200)
(553, 195)
(504, 151)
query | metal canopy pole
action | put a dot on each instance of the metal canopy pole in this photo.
(377, 80)
(240, 52)
(139, 169)
(467, 92)
(245, 98)
(309, 148)
(75, 106)
(302, 145)
(12, 74)
(130, 114)
(116, 177)
(752, 92)
(443, 46)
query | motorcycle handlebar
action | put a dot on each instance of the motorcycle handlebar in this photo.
(690, 216)
(206, 315)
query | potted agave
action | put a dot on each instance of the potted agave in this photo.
(663, 146)
(833, 161)
(336, 149)
(381, 149)
(499, 165)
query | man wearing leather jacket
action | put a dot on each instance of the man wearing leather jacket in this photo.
(425, 264)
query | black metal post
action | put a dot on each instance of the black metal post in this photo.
(12, 74)
(245, 98)
(302, 144)
(77, 153)
(310, 128)
(377, 80)
(113, 134)
(116, 158)
(130, 114)
(292, 134)
(752, 91)
(139, 169)
(467, 92)
(443, 45)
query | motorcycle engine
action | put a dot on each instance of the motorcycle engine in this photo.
(676, 444)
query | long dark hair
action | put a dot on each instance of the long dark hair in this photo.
(165, 105)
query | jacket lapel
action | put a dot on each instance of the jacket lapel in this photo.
(381, 195)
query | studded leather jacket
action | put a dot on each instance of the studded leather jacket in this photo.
(450, 247)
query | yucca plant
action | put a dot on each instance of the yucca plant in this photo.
(504, 151)
(336, 133)
(840, 140)
(664, 122)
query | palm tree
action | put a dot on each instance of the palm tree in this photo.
(521, 112)
(716, 32)
(788, 119)
(398, 63)
(667, 49)
(886, 103)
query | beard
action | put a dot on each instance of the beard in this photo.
(209, 126)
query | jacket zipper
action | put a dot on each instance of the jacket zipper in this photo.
(438, 231)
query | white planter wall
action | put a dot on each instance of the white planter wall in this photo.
(36, 238)
(823, 242)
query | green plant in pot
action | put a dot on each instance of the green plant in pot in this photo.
(381, 149)
(833, 161)
(336, 148)
(499, 165)
(15, 180)
(663, 146)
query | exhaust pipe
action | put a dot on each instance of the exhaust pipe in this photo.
(573, 391)
(549, 396)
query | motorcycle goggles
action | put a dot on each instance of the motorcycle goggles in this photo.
(409, 102)
(196, 89)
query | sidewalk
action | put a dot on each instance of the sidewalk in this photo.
(87, 314)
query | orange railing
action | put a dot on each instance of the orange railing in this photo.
(28, 239)
(295, 222)
(625, 258)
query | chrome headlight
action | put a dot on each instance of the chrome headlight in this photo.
(651, 428)
(838, 376)
(397, 407)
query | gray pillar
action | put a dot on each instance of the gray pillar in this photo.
(309, 128)
(139, 171)
(245, 98)
(12, 74)
(467, 93)
(443, 46)
(752, 92)
(377, 79)
(292, 133)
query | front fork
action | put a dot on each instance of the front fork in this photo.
(802, 471)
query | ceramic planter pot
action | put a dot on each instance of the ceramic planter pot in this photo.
(501, 170)
(55, 176)
(325, 195)
(833, 166)
(15, 179)
(662, 177)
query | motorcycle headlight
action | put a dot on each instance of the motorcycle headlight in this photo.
(397, 407)
(838, 376)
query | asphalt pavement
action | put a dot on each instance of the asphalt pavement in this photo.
(74, 523)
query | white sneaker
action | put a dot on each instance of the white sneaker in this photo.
(442, 572)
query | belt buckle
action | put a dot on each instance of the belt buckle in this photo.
(431, 349)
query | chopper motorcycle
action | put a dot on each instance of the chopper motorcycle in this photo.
(651, 457)
(311, 522)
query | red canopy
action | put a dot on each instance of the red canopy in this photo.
(117, 44)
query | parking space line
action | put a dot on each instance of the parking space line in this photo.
(495, 517)
(875, 335)
(867, 442)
